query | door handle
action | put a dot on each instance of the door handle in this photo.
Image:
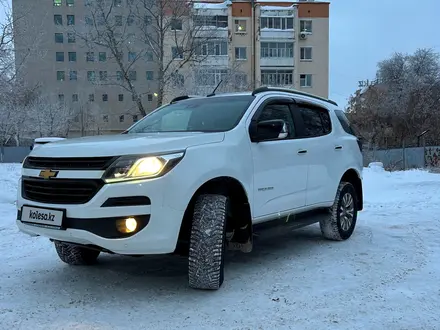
(302, 151)
(338, 147)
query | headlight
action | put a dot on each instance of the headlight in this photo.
(127, 168)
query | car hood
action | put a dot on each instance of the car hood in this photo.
(125, 144)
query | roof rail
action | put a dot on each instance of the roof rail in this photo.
(180, 98)
(292, 91)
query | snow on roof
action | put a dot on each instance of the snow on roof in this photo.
(277, 7)
(205, 5)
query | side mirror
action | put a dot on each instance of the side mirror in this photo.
(269, 130)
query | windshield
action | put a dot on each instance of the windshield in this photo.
(206, 114)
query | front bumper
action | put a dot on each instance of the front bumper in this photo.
(92, 224)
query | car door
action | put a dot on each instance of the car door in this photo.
(280, 166)
(321, 153)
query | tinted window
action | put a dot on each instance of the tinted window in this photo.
(344, 122)
(196, 115)
(278, 111)
(316, 122)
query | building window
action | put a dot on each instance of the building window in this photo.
(102, 56)
(177, 53)
(91, 75)
(132, 75)
(118, 20)
(88, 20)
(176, 24)
(117, 3)
(104, 97)
(118, 75)
(60, 97)
(306, 53)
(150, 97)
(131, 56)
(305, 26)
(73, 75)
(210, 77)
(121, 118)
(211, 21)
(149, 56)
(70, 3)
(59, 38)
(105, 118)
(130, 20)
(90, 57)
(58, 19)
(103, 75)
(71, 38)
(70, 19)
(72, 56)
(277, 49)
(213, 48)
(280, 23)
(135, 118)
(121, 97)
(305, 80)
(150, 75)
(240, 53)
(74, 97)
(59, 56)
(91, 97)
(147, 20)
(240, 26)
(277, 77)
(61, 75)
(57, 3)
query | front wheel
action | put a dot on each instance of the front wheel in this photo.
(207, 242)
(340, 224)
(76, 255)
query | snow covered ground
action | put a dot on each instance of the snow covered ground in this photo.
(387, 276)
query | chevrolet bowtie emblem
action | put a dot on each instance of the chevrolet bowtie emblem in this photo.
(48, 174)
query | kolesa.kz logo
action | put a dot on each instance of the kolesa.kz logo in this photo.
(35, 215)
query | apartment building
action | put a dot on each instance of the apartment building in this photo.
(242, 44)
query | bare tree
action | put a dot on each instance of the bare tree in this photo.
(163, 33)
(408, 101)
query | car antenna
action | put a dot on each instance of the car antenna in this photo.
(213, 92)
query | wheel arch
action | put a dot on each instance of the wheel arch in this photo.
(224, 185)
(352, 176)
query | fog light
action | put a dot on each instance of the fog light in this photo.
(128, 225)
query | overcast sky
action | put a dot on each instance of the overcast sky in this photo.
(363, 32)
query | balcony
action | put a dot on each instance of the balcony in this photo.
(277, 61)
(268, 34)
(209, 32)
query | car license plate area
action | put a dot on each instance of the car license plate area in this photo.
(42, 217)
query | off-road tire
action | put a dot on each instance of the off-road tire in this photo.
(75, 255)
(207, 242)
(331, 227)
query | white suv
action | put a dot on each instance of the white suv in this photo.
(197, 176)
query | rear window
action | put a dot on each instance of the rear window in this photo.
(344, 122)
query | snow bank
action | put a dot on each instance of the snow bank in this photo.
(9, 175)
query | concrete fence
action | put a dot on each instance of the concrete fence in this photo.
(405, 158)
(13, 154)
(393, 159)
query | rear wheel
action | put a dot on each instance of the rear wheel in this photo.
(207, 242)
(340, 224)
(76, 255)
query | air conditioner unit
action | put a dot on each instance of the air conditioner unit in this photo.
(303, 36)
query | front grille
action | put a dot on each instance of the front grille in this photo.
(89, 163)
(60, 191)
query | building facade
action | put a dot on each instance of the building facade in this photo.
(242, 44)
